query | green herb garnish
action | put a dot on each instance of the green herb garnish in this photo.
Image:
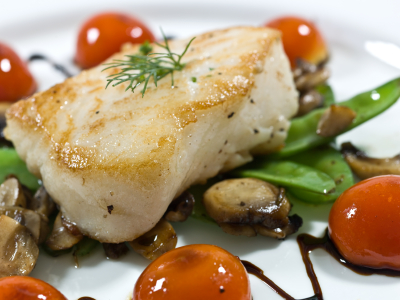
(194, 79)
(145, 48)
(139, 68)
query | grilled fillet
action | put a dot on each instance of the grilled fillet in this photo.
(114, 161)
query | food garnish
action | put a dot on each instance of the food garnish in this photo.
(27, 288)
(301, 39)
(194, 272)
(159, 240)
(18, 248)
(103, 35)
(140, 68)
(16, 82)
(303, 134)
(249, 206)
(366, 167)
(364, 222)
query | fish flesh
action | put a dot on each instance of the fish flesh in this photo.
(113, 161)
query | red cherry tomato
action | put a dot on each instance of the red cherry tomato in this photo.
(195, 272)
(364, 223)
(104, 34)
(16, 82)
(27, 288)
(301, 39)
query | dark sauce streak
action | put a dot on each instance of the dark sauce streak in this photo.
(256, 271)
(308, 243)
(86, 298)
(56, 66)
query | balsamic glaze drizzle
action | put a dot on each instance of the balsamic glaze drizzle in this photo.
(256, 271)
(308, 243)
(86, 298)
(56, 66)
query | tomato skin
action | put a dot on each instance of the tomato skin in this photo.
(103, 35)
(195, 272)
(301, 39)
(27, 288)
(364, 223)
(16, 82)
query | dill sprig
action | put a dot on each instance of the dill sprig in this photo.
(139, 68)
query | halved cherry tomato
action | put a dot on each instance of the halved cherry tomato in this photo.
(364, 223)
(104, 34)
(195, 272)
(301, 39)
(27, 288)
(16, 82)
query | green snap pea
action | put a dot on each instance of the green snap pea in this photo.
(331, 162)
(303, 135)
(288, 174)
(326, 91)
(10, 163)
(199, 211)
(85, 246)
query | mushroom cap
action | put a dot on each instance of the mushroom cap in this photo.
(18, 250)
(11, 193)
(156, 242)
(246, 201)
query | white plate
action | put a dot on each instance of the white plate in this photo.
(50, 27)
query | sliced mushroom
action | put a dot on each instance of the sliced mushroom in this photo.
(42, 203)
(307, 75)
(310, 80)
(335, 120)
(246, 201)
(309, 101)
(238, 229)
(26, 217)
(61, 238)
(11, 193)
(18, 250)
(237, 205)
(181, 208)
(114, 251)
(366, 167)
(71, 227)
(295, 223)
(156, 242)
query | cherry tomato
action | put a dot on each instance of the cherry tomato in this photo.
(16, 82)
(104, 34)
(364, 223)
(301, 39)
(27, 288)
(194, 272)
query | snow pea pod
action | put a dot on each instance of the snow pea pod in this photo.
(10, 163)
(327, 93)
(302, 134)
(85, 246)
(329, 161)
(199, 211)
(288, 174)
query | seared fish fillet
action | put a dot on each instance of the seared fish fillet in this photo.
(114, 161)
